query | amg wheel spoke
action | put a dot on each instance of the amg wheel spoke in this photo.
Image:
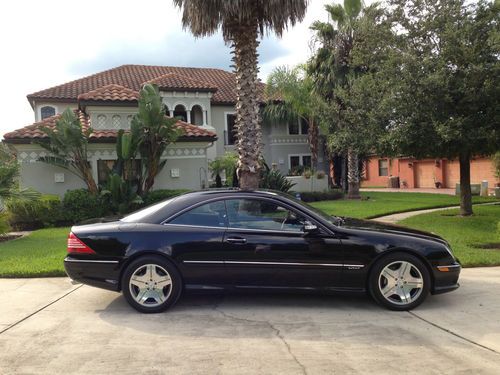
(150, 270)
(162, 282)
(138, 282)
(389, 290)
(389, 274)
(404, 295)
(403, 269)
(142, 296)
(414, 283)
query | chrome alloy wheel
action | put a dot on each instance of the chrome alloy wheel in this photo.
(400, 282)
(150, 285)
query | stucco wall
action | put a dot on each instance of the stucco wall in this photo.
(188, 158)
(423, 173)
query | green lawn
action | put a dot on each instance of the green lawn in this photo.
(42, 252)
(466, 235)
(39, 254)
(377, 203)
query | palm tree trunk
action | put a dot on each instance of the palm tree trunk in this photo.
(248, 144)
(313, 142)
(352, 175)
(465, 190)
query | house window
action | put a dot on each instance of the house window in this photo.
(294, 162)
(230, 136)
(298, 163)
(299, 127)
(105, 167)
(47, 111)
(383, 169)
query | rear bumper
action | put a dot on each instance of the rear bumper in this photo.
(446, 278)
(99, 273)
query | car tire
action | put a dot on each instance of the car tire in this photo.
(399, 281)
(151, 284)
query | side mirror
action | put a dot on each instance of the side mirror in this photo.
(309, 227)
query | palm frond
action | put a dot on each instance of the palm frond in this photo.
(206, 17)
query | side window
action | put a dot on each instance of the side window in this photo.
(262, 214)
(208, 215)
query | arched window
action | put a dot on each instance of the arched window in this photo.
(180, 112)
(47, 111)
(197, 115)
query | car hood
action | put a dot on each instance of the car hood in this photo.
(377, 226)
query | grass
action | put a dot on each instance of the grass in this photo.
(475, 239)
(375, 204)
(40, 254)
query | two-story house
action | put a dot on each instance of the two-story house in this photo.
(203, 98)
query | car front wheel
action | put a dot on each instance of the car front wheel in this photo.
(399, 281)
(151, 284)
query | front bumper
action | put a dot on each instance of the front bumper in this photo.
(99, 273)
(446, 278)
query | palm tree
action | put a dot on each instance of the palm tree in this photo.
(68, 147)
(330, 67)
(291, 97)
(242, 22)
(151, 131)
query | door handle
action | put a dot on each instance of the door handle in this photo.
(236, 240)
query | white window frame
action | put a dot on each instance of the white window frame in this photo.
(301, 159)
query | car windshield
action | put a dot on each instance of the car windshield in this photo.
(137, 216)
(334, 220)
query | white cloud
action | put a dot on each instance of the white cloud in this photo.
(45, 43)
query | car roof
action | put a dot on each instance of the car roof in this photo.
(186, 200)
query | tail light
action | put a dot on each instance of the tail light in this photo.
(75, 245)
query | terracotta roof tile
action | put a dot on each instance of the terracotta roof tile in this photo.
(134, 76)
(175, 81)
(110, 93)
(34, 132)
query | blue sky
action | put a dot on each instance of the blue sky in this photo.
(45, 43)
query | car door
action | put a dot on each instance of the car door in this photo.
(196, 237)
(266, 246)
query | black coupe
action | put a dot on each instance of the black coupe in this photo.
(238, 239)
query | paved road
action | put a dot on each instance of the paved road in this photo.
(52, 327)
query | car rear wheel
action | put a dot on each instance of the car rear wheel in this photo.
(399, 282)
(151, 284)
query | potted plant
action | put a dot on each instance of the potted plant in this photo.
(320, 175)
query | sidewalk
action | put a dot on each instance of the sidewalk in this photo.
(394, 218)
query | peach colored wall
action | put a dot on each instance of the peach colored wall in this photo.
(445, 171)
(480, 169)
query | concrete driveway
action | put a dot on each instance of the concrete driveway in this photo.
(49, 326)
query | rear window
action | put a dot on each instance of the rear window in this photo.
(138, 216)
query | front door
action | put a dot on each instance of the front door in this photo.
(265, 246)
